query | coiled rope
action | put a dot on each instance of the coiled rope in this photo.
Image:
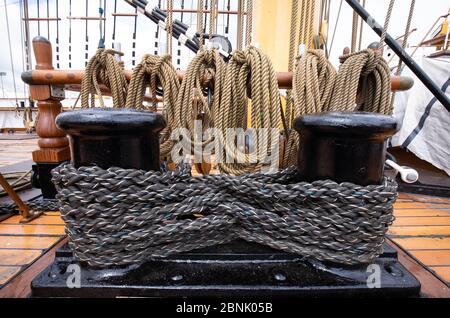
(313, 83)
(154, 70)
(125, 216)
(249, 68)
(207, 69)
(365, 75)
(103, 68)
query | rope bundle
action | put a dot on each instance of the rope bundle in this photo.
(313, 83)
(207, 69)
(252, 67)
(104, 68)
(368, 71)
(156, 70)
(125, 216)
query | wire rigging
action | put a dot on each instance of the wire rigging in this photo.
(11, 54)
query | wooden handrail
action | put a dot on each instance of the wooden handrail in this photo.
(61, 77)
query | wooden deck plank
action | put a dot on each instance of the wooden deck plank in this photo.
(420, 205)
(52, 213)
(422, 243)
(443, 272)
(433, 258)
(27, 242)
(419, 230)
(425, 221)
(18, 257)
(13, 229)
(421, 212)
(20, 286)
(44, 219)
(7, 272)
(431, 286)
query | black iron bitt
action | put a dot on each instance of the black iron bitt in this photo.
(344, 146)
(108, 137)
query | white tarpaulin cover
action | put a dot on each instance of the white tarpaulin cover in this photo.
(425, 123)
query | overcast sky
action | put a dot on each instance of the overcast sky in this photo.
(425, 15)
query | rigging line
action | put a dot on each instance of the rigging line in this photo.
(104, 21)
(10, 53)
(361, 29)
(406, 37)
(169, 23)
(211, 19)
(335, 27)
(354, 31)
(227, 28)
(157, 33)
(114, 21)
(386, 22)
(239, 25)
(38, 15)
(133, 53)
(86, 56)
(22, 45)
(57, 34)
(200, 22)
(101, 41)
(27, 35)
(249, 23)
(70, 35)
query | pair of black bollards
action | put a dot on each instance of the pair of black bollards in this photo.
(340, 146)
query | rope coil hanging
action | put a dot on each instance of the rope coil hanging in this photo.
(363, 77)
(207, 69)
(313, 83)
(126, 216)
(154, 70)
(252, 67)
(103, 68)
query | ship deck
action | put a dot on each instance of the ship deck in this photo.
(420, 234)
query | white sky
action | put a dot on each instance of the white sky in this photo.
(426, 13)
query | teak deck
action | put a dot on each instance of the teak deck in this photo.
(422, 229)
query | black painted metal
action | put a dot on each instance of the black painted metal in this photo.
(41, 178)
(402, 54)
(343, 146)
(235, 269)
(113, 137)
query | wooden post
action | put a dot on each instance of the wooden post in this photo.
(53, 143)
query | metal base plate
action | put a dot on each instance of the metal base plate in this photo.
(238, 269)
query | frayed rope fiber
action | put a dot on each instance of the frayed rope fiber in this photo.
(126, 216)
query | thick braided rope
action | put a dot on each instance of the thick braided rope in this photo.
(252, 67)
(154, 70)
(103, 68)
(313, 85)
(406, 37)
(125, 216)
(365, 74)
